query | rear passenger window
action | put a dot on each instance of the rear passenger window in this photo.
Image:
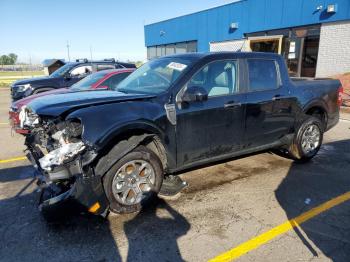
(262, 74)
(105, 67)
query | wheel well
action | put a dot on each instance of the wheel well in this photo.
(318, 112)
(152, 142)
(42, 89)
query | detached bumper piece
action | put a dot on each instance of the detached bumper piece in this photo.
(65, 189)
(86, 194)
(172, 185)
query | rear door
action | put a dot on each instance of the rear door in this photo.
(214, 127)
(269, 107)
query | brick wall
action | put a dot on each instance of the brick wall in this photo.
(334, 50)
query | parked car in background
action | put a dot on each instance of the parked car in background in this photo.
(103, 80)
(65, 76)
(112, 150)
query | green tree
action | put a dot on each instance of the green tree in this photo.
(13, 58)
(4, 60)
(9, 59)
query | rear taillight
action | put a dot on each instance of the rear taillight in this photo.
(340, 95)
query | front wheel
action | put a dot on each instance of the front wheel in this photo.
(133, 181)
(308, 140)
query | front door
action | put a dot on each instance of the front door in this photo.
(211, 128)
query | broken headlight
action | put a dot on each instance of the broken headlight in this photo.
(27, 118)
(68, 144)
(68, 131)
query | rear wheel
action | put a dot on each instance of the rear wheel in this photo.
(308, 140)
(134, 181)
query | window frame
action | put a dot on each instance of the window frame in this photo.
(110, 66)
(278, 76)
(81, 65)
(238, 82)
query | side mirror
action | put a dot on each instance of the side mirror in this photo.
(194, 94)
(67, 77)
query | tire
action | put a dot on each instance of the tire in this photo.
(308, 140)
(123, 185)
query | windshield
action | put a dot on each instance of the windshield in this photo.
(155, 76)
(88, 81)
(62, 70)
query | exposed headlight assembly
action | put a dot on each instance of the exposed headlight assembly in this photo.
(58, 156)
(23, 88)
(27, 118)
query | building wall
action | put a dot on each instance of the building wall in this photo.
(334, 50)
(213, 25)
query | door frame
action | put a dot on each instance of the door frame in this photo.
(255, 39)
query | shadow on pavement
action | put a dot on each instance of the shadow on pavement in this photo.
(26, 236)
(154, 238)
(151, 235)
(16, 173)
(311, 184)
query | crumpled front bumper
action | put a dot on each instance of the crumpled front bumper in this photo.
(86, 193)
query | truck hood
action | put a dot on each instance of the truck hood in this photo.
(24, 101)
(57, 104)
(36, 81)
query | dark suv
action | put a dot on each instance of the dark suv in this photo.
(65, 76)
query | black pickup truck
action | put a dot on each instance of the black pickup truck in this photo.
(112, 150)
(65, 76)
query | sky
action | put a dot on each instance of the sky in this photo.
(39, 29)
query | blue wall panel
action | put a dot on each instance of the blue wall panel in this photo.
(251, 15)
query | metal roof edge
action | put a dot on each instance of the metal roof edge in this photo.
(197, 12)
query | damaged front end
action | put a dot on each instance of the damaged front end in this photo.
(56, 150)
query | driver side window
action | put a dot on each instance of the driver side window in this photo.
(81, 71)
(217, 78)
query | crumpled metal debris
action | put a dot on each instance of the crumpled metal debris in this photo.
(58, 156)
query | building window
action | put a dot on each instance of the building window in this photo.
(181, 48)
(151, 52)
(158, 53)
(192, 47)
(169, 49)
(162, 50)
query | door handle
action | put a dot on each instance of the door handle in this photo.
(277, 97)
(232, 104)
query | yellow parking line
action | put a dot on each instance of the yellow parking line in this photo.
(279, 230)
(2, 161)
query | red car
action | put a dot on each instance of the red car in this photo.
(106, 79)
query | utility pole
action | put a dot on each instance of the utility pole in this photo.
(68, 51)
(90, 53)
